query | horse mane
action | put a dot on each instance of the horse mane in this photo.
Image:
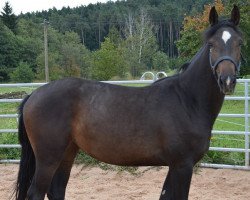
(184, 67)
(224, 23)
(180, 70)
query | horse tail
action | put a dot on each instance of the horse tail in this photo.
(27, 162)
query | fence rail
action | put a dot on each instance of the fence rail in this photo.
(244, 115)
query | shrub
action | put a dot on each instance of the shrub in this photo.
(4, 74)
(23, 73)
(160, 62)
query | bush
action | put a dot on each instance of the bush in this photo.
(160, 62)
(4, 74)
(23, 73)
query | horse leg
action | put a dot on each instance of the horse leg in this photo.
(41, 180)
(177, 183)
(48, 159)
(61, 177)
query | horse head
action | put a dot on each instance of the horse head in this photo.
(224, 40)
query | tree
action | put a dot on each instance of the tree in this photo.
(115, 36)
(193, 26)
(66, 56)
(245, 27)
(108, 62)
(93, 22)
(140, 42)
(31, 43)
(8, 18)
(9, 52)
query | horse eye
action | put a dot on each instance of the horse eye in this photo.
(210, 45)
(240, 43)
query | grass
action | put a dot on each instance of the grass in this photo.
(8, 108)
(16, 89)
(222, 123)
(229, 141)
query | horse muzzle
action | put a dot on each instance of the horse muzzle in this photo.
(227, 83)
(225, 69)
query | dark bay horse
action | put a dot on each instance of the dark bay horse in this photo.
(168, 123)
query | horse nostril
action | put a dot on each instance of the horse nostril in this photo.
(234, 80)
(221, 80)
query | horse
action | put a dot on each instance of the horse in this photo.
(166, 123)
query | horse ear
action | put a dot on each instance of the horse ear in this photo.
(213, 16)
(235, 15)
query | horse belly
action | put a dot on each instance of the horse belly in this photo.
(120, 148)
(115, 133)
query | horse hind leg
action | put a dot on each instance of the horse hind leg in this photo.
(41, 180)
(49, 155)
(61, 176)
(177, 183)
(51, 164)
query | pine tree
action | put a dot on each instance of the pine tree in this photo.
(8, 17)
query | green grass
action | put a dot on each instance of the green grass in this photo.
(222, 123)
(10, 138)
(4, 90)
(229, 141)
(8, 108)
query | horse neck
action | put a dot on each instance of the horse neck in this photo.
(201, 85)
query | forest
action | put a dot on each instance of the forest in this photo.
(113, 40)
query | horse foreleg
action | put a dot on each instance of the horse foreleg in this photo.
(177, 183)
(61, 177)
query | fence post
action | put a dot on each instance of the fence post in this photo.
(246, 126)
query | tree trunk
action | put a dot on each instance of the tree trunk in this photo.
(82, 33)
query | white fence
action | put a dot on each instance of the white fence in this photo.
(244, 115)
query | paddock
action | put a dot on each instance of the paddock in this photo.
(88, 183)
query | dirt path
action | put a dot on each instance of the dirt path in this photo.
(95, 183)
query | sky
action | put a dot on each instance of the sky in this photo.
(24, 6)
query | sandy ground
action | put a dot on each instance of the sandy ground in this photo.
(95, 183)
